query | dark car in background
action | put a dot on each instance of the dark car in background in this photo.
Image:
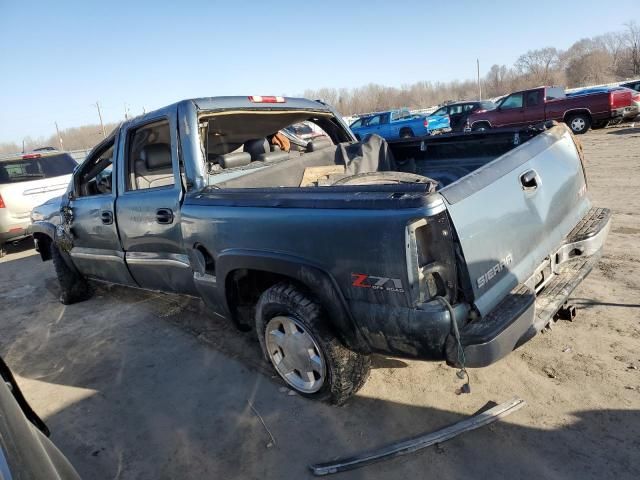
(633, 85)
(458, 112)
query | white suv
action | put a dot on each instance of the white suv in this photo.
(27, 180)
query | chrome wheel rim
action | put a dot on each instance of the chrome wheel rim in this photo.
(295, 354)
(578, 124)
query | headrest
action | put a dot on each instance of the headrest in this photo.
(257, 147)
(235, 159)
(319, 143)
(156, 155)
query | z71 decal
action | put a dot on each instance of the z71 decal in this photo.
(363, 280)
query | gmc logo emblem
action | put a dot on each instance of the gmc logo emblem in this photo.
(362, 280)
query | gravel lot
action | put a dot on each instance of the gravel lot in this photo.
(142, 385)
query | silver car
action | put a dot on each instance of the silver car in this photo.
(27, 180)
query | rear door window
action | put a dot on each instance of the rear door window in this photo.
(149, 162)
(35, 167)
(534, 98)
(554, 92)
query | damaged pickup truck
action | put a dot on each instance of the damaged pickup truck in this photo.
(456, 247)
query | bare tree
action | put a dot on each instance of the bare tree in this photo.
(539, 64)
(589, 69)
(631, 40)
(495, 82)
(613, 43)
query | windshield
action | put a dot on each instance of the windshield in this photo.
(25, 169)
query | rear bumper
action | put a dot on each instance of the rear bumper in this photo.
(15, 233)
(12, 227)
(531, 306)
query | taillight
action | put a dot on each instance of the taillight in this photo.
(31, 155)
(611, 100)
(2, 205)
(426, 123)
(268, 99)
(479, 111)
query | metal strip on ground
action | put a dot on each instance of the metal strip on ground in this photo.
(418, 443)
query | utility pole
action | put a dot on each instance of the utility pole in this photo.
(126, 111)
(59, 136)
(104, 134)
(479, 87)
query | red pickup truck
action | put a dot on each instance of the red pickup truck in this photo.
(537, 105)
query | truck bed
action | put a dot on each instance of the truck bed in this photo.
(445, 159)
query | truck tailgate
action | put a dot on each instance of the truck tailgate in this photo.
(512, 213)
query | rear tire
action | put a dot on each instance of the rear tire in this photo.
(579, 123)
(73, 286)
(295, 338)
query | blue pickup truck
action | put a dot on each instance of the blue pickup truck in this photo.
(396, 124)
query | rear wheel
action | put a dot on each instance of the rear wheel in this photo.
(294, 336)
(73, 286)
(579, 123)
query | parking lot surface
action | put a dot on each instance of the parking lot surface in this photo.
(145, 385)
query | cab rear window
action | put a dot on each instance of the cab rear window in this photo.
(25, 169)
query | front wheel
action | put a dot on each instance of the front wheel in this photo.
(73, 286)
(480, 127)
(296, 339)
(579, 123)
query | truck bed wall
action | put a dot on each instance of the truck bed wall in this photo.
(447, 158)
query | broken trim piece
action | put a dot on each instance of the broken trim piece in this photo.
(418, 443)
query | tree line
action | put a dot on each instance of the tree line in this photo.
(601, 59)
(607, 58)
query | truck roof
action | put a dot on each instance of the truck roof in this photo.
(216, 103)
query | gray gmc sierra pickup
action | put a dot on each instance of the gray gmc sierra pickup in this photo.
(457, 247)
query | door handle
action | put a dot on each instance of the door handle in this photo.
(164, 216)
(106, 217)
(530, 180)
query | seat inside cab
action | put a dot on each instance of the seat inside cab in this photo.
(287, 149)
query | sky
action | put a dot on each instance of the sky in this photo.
(58, 58)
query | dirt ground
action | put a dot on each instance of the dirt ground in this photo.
(137, 385)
